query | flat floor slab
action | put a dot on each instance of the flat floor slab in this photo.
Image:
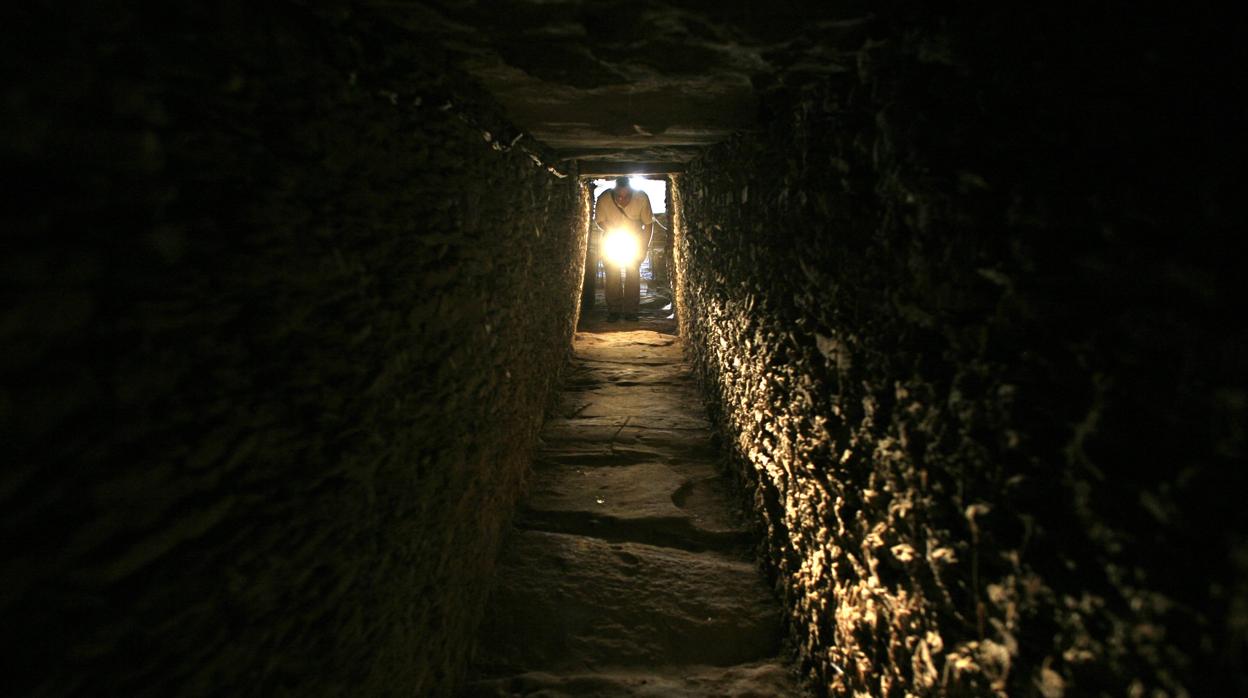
(634, 348)
(684, 505)
(757, 680)
(578, 602)
(664, 405)
(593, 373)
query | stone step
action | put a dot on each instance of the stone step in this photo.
(603, 432)
(683, 505)
(595, 373)
(769, 679)
(637, 348)
(577, 603)
(656, 405)
(666, 447)
(671, 533)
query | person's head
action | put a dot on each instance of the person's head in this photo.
(623, 190)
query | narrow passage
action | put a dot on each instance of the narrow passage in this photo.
(630, 572)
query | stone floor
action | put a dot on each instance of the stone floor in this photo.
(629, 573)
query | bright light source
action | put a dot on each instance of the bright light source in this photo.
(621, 247)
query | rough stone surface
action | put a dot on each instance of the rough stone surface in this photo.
(755, 680)
(284, 297)
(571, 602)
(965, 315)
(646, 82)
(274, 352)
(631, 573)
(691, 513)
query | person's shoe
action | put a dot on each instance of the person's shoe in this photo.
(613, 317)
(631, 317)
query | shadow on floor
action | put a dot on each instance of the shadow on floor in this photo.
(656, 314)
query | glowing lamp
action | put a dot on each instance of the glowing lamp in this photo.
(621, 247)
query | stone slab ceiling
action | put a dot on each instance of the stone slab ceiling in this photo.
(643, 81)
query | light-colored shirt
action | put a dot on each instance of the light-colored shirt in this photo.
(636, 214)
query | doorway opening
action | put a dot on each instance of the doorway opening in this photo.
(656, 266)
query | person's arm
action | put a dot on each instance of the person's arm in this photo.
(647, 227)
(601, 217)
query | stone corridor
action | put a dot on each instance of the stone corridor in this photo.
(305, 391)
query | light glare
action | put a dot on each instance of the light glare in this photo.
(621, 248)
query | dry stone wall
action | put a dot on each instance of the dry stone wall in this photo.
(274, 348)
(963, 313)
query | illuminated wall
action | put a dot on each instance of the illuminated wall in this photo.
(971, 361)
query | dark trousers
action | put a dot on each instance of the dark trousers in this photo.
(623, 288)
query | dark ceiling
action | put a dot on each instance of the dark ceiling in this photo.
(643, 84)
